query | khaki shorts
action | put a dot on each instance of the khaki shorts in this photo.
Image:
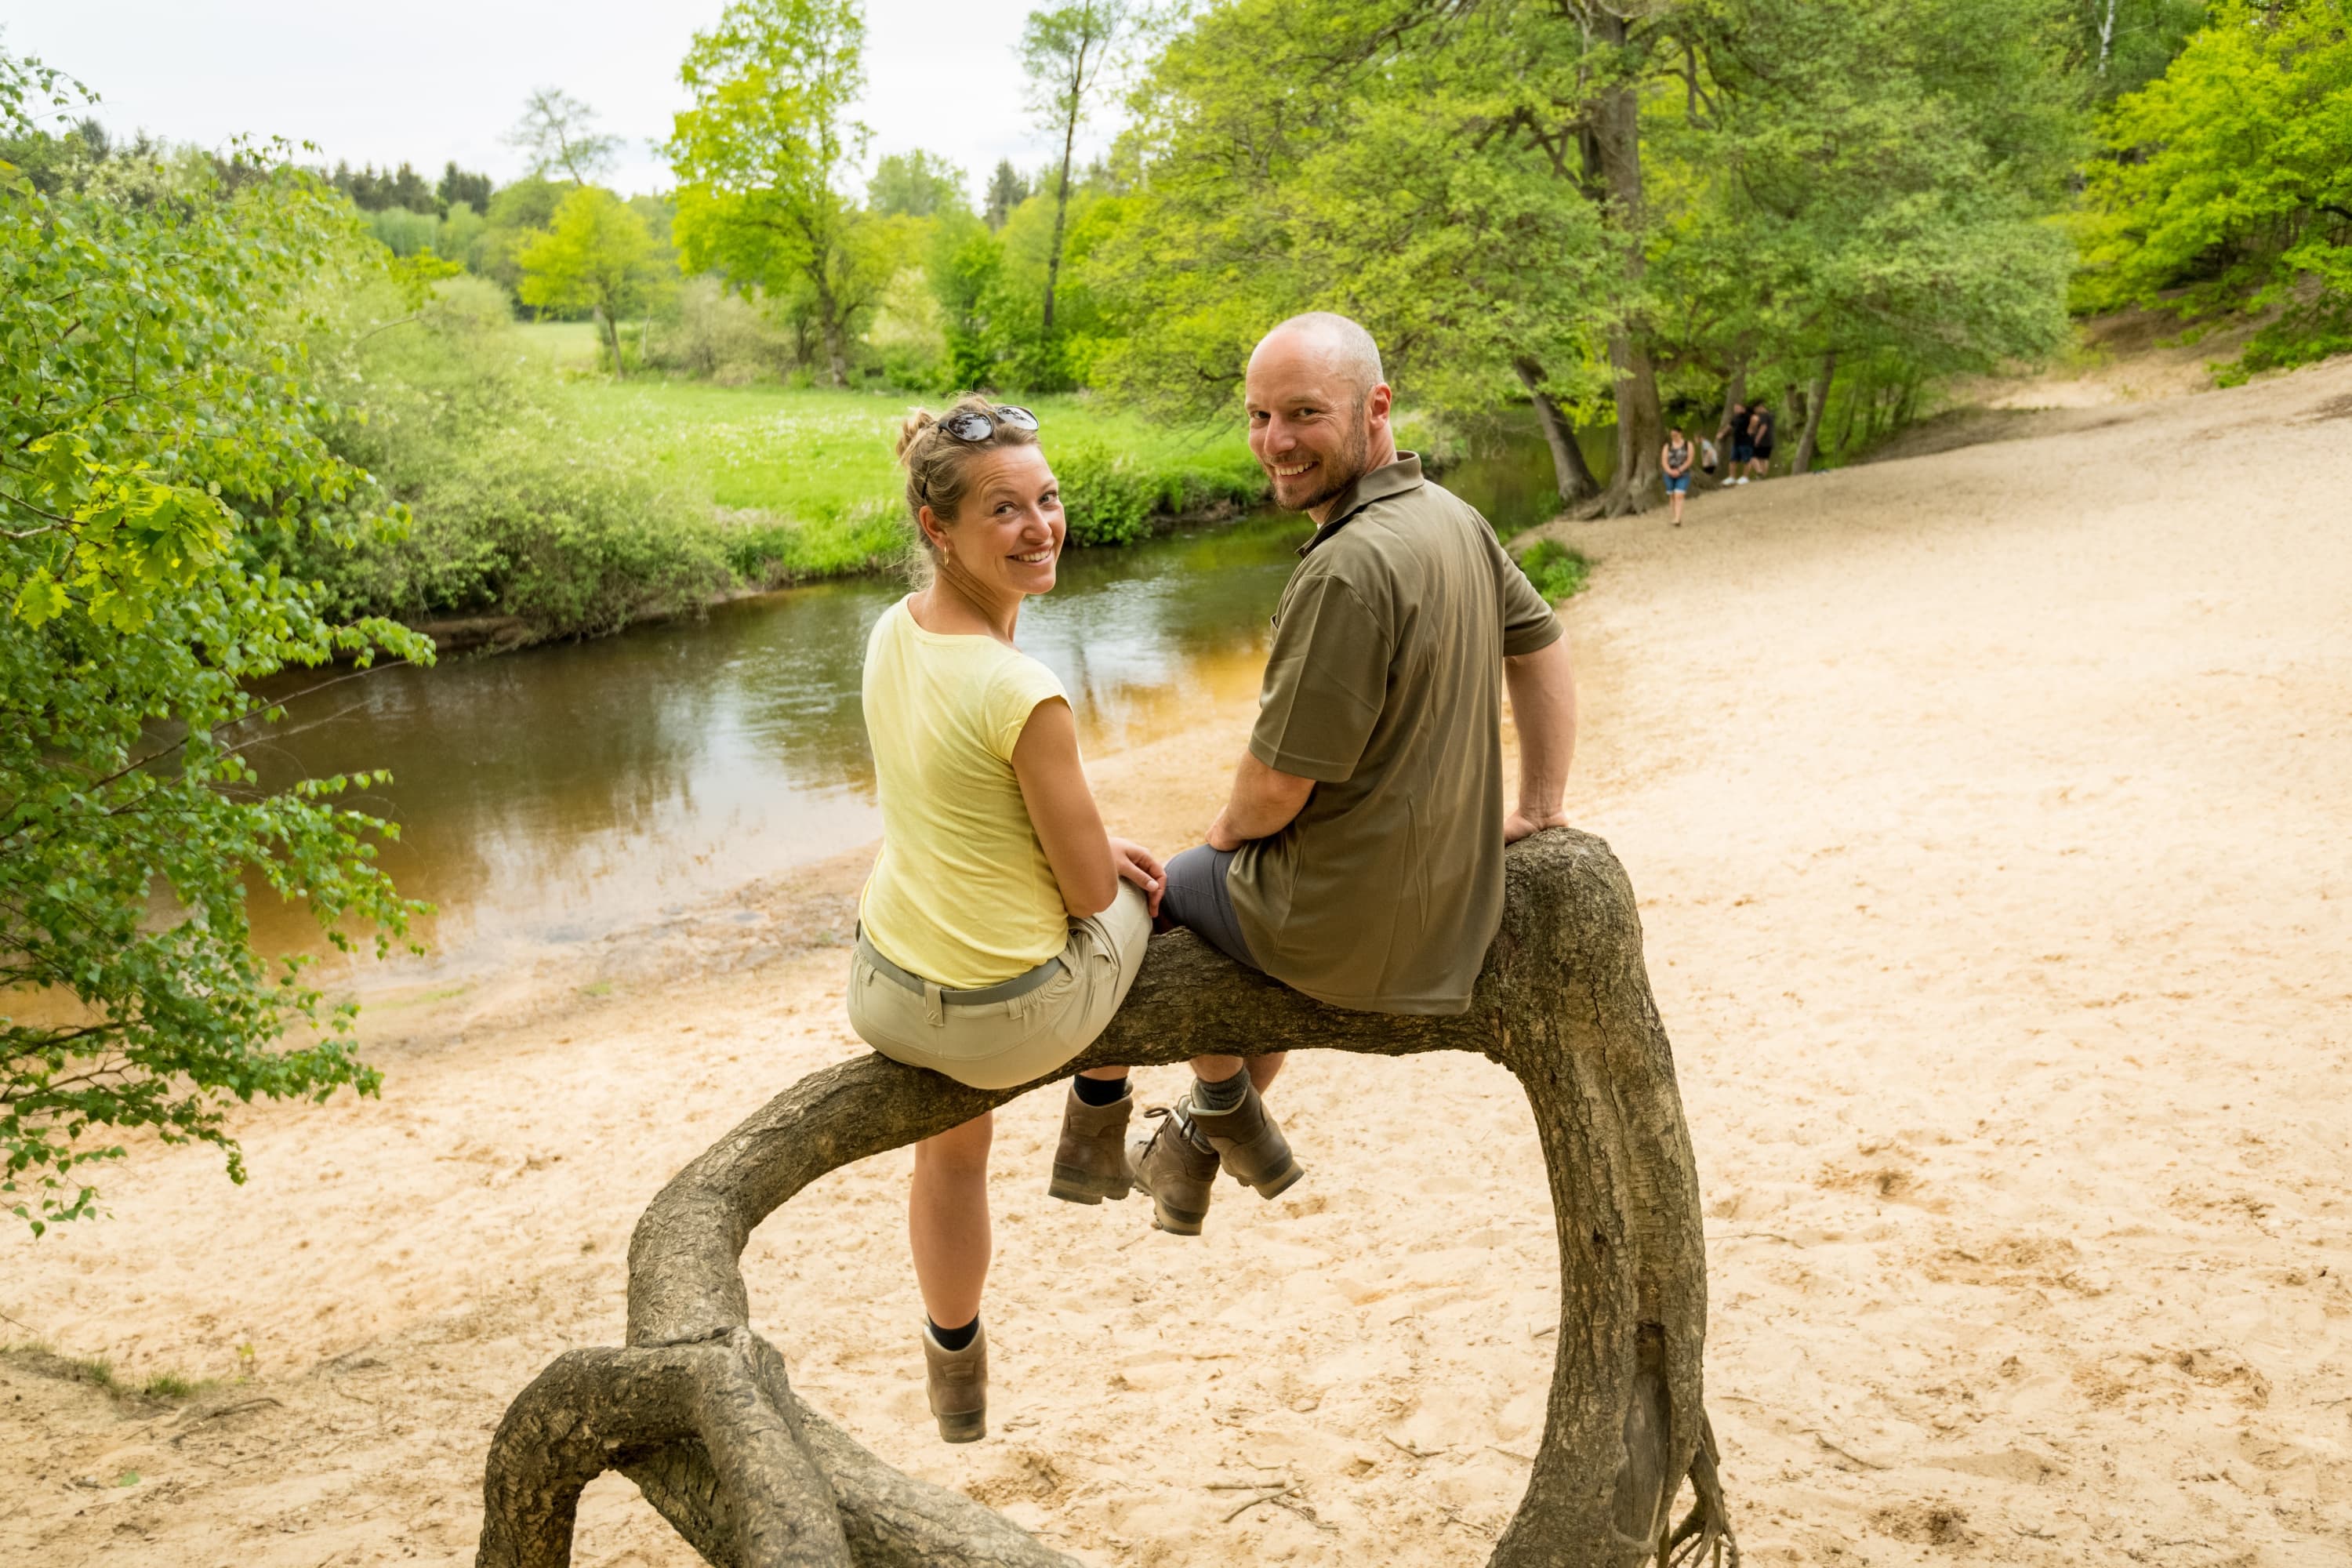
(999, 1044)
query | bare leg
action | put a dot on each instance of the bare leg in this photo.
(946, 1221)
(1678, 509)
(1104, 1073)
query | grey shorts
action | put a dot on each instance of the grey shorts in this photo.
(1197, 899)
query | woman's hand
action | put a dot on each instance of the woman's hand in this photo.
(1135, 864)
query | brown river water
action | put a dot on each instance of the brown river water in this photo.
(549, 796)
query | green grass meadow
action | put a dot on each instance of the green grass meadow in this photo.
(807, 485)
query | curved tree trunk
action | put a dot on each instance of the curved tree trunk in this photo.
(697, 1410)
(1572, 473)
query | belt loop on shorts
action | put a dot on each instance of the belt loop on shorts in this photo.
(934, 1013)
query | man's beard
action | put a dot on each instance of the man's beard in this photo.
(1353, 463)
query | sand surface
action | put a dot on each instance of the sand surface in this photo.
(1990, 812)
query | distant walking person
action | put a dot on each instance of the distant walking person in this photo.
(1001, 926)
(1675, 460)
(1760, 424)
(1740, 440)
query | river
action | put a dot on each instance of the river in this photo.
(548, 796)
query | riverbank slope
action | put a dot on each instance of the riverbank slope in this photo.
(1988, 812)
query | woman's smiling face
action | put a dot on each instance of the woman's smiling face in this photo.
(1006, 538)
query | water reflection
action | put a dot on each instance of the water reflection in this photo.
(550, 796)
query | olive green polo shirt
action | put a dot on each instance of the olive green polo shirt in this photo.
(1385, 686)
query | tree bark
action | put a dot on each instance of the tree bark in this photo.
(1570, 469)
(697, 1411)
(1613, 153)
(1817, 403)
(1062, 192)
(611, 326)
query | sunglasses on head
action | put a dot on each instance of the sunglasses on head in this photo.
(975, 424)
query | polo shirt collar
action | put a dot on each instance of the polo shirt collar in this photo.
(1389, 479)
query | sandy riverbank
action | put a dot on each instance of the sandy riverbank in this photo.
(1990, 811)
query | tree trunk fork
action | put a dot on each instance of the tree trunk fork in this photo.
(698, 1412)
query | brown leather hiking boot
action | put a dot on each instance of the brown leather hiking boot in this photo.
(1249, 1142)
(1091, 1161)
(1177, 1174)
(959, 1386)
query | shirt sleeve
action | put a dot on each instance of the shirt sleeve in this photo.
(1327, 682)
(1019, 686)
(1529, 623)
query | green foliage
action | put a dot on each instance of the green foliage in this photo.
(372, 192)
(516, 510)
(596, 254)
(808, 487)
(2115, 47)
(916, 185)
(1268, 182)
(1877, 201)
(1558, 571)
(2230, 179)
(1006, 190)
(403, 232)
(457, 188)
(159, 434)
(706, 328)
(1537, 194)
(515, 215)
(761, 158)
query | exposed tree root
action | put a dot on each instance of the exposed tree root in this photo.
(698, 1412)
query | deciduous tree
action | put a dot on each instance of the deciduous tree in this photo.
(557, 134)
(156, 430)
(2231, 176)
(596, 255)
(1066, 53)
(761, 157)
(916, 185)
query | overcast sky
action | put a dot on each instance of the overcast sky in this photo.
(430, 80)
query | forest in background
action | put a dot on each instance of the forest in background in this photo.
(1540, 210)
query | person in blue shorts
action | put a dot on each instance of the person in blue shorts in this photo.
(1740, 440)
(1675, 460)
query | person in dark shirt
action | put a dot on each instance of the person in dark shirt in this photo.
(1360, 856)
(1760, 424)
(1737, 440)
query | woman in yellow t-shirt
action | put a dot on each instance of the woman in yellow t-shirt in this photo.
(1001, 926)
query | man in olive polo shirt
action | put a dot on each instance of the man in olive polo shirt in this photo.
(1360, 858)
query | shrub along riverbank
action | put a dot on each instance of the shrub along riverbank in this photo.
(546, 504)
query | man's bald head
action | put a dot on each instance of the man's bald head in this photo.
(1346, 349)
(1318, 410)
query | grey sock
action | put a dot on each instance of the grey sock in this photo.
(1222, 1095)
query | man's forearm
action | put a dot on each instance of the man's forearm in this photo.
(1263, 803)
(1543, 707)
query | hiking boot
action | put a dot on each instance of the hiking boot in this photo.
(1175, 1171)
(959, 1386)
(1091, 1161)
(1249, 1142)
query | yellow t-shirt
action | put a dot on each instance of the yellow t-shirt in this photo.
(962, 893)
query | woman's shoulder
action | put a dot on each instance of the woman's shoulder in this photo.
(1023, 675)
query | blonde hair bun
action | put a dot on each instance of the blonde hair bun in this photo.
(911, 430)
